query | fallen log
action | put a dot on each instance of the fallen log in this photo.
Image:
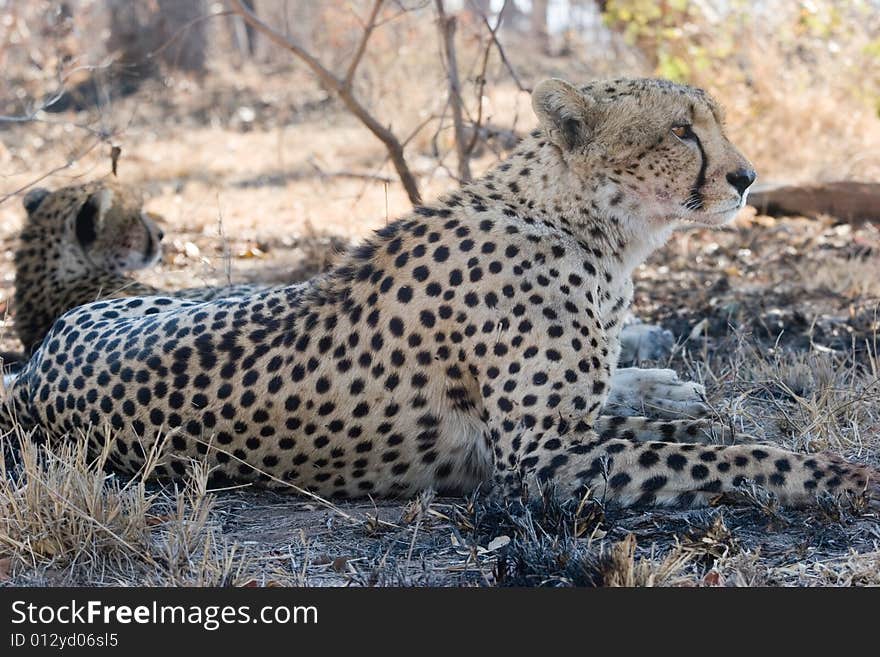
(846, 200)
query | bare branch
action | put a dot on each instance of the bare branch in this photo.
(481, 78)
(362, 46)
(493, 34)
(465, 144)
(324, 74)
(447, 25)
(345, 94)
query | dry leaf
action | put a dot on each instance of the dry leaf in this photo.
(713, 578)
(697, 331)
(598, 534)
(5, 569)
(252, 252)
(115, 152)
(254, 584)
(764, 220)
(46, 547)
(497, 543)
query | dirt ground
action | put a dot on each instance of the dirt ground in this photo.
(777, 317)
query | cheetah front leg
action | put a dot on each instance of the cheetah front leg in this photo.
(658, 392)
(626, 472)
(643, 391)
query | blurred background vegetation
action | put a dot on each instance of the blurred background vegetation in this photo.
(204, 104)
(800, 79)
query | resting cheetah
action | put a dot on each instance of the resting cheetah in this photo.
(470, 343)
(76, 246)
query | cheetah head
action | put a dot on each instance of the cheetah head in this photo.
(652, 150)
(101, 225)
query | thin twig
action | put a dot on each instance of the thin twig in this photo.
(362, 46)
(356, 175)
(183, 28)
(447, 25)
(33, 115)
(51, 172)
(345, 94)
(494, 36)
(403, 10)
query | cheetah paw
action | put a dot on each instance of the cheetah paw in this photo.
(654, 393)
(640, 342)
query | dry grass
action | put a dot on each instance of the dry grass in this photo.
(65, 520)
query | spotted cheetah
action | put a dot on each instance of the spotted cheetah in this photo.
(470, 343)
(76, 247)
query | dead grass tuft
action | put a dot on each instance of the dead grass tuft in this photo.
(63, 518)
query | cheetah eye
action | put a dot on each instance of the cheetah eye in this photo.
(683, 132)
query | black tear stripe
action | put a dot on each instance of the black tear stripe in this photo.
(148, 248)
(695, 199)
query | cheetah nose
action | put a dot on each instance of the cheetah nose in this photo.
(742, 179)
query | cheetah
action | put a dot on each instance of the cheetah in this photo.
(470, 344)
(77, 245)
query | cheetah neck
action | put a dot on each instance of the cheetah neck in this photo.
(538, 185)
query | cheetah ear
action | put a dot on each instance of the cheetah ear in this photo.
(33, 198)
(566, 115)
(90, 215)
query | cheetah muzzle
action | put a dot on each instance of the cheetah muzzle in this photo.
(471, 342)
